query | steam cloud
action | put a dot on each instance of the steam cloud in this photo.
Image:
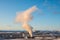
(25, 17)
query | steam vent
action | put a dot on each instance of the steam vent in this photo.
(24, 17)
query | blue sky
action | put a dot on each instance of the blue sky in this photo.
(47, 19)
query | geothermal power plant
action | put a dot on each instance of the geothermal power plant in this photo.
(24, 18)
(29, 19)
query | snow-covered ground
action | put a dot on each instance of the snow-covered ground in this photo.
(31, 39)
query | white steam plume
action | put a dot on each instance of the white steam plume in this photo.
(24, 17)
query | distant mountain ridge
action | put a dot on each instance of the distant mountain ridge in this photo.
(24, 30)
